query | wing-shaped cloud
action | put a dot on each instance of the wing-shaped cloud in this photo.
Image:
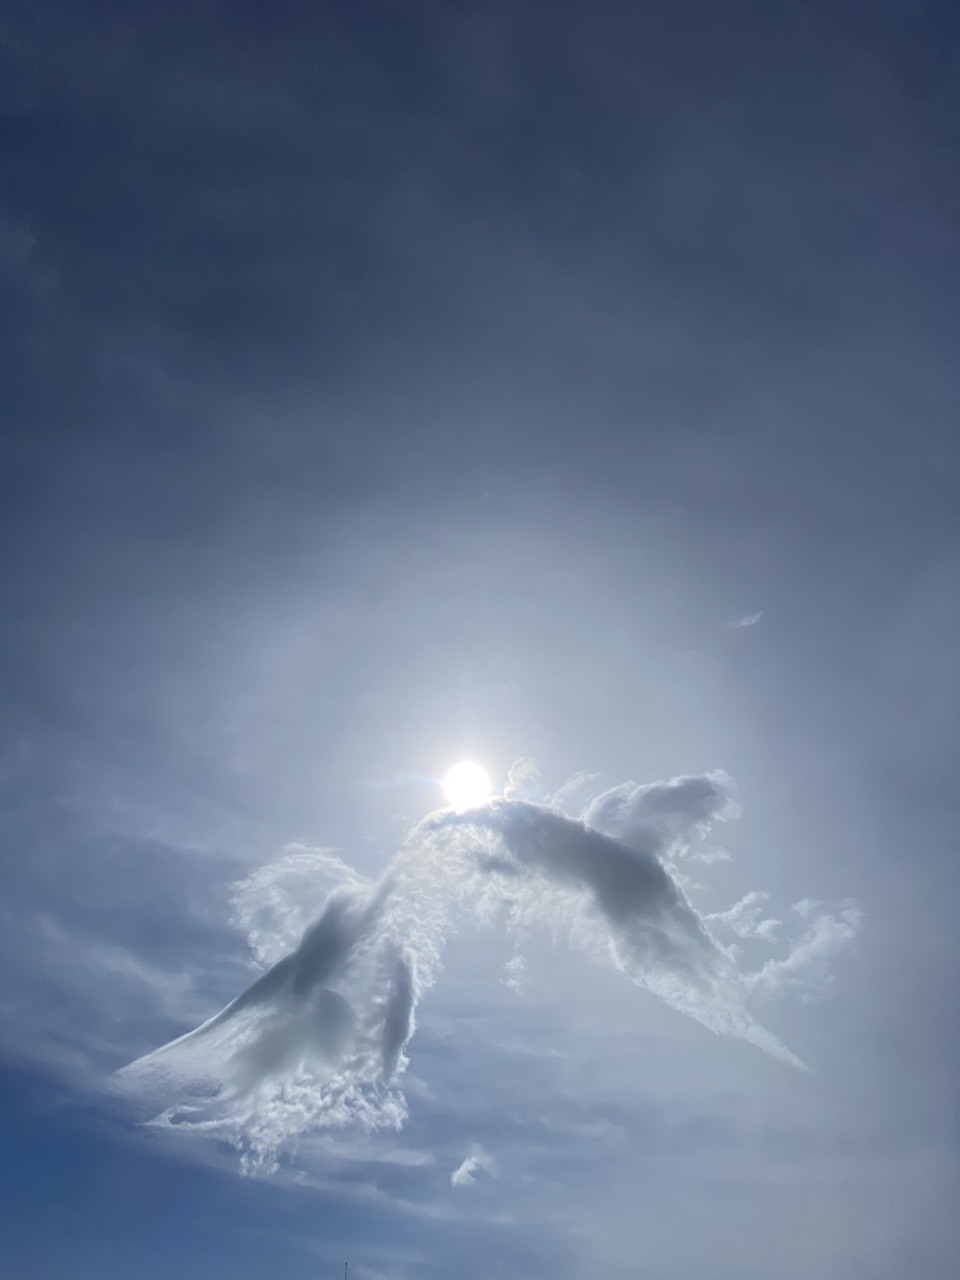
(637, 911)
(321, 1038)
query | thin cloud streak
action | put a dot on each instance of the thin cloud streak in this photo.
(748, 620)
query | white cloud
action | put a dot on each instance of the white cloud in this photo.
(515, 973)
(746, 919)
(523, 780)
(568, 798)
(748, 620)
(709, 857)
(663, 817)
(320, 1040)
(465, 1175)
(614, 898)
(806, 968)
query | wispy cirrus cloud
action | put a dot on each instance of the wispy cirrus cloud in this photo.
(746, 919)
(806, 969)
(748, 620)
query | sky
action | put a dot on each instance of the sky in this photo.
(570, 389)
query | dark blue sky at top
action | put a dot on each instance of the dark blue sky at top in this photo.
(480, 339)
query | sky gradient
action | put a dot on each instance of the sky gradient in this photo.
(388, 384)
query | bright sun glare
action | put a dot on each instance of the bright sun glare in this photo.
(467, 785)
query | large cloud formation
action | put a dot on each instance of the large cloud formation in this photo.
(320, 1039)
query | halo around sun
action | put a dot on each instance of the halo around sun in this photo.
(467, 785)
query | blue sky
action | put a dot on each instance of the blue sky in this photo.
(388, 384)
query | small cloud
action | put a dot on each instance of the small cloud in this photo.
(806, 969)
(746, 919)
(569, 797)
(710, 856)
(523, 780)
(515, 973)
(748, 620)
(465, 1175)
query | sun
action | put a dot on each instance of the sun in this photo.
(467, 785)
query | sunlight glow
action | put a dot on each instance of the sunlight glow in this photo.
(467, 785)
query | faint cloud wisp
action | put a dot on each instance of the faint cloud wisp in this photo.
(748, 620)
